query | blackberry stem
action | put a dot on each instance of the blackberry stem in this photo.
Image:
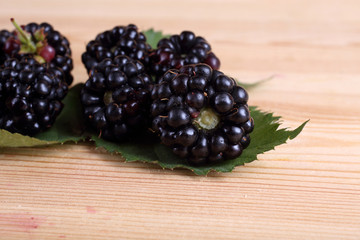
(28, 42)
(108, 97)
(207, 119)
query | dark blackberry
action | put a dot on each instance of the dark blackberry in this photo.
(40, 41)
(201, 114)
(180, 50)
(30, 96)
(116, 97)
(4, 35)
(121, 40)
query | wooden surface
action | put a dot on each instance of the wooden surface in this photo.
(306, 189)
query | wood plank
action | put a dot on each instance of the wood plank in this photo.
(306, 189)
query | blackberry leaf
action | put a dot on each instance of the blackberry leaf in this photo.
(250, 86)
(68, 126)
(8, 139)
(132, 150)
(153, 37)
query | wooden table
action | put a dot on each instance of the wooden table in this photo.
(306, 189)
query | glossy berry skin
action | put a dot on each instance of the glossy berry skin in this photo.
(201, 114)
(58, 49)
(116, 98)
(30, 96)
(4, 36)
(121, 40)
(48, 53)
(180, 50)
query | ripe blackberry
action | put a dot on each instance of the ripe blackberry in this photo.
(30, 95)
(116, 97)
(201, 114)
(4, 35)
(121, 40)
(180, 50)
(40, 41)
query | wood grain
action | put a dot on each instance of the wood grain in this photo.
(306, 189)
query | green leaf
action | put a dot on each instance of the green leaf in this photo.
(153, 37)
(68, 126)
(8, 139)
(136, 149)
(266, 136)
(250, 86)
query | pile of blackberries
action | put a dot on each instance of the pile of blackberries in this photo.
(176, 90)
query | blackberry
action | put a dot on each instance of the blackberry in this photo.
(116, 97)
(30, 95)
(121, 40)
(4, 35)
(180, 50)
(201, 114)
(40, 41)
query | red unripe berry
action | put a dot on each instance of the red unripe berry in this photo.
(48, 53)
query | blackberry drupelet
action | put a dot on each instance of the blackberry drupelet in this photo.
(116, 98)
(180, 50)
(4, 35)
(121, 40)
(40, 41)
(201, 114)
(30, 95)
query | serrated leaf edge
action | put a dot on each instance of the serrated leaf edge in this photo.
(41, 143)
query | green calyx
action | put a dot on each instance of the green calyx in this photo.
(30, 44)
